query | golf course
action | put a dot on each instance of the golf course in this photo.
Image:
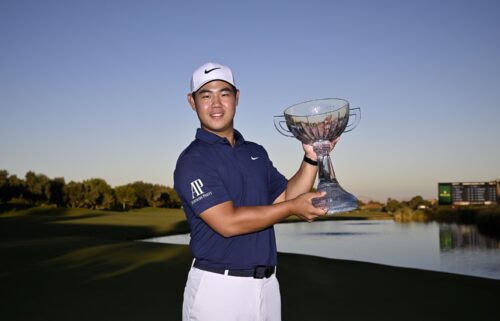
(80, 264)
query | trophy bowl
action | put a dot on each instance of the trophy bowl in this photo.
(317, 123)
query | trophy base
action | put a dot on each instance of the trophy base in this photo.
(337, 200)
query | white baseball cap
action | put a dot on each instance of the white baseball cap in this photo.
(209, 72)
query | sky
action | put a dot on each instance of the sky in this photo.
(98, 88)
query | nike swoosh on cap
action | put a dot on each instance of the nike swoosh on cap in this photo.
(210, 70)
(254, 158)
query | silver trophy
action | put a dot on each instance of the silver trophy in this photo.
(317, 122)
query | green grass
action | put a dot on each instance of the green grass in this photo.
(50, 221)
(83, 278)
(77, 267)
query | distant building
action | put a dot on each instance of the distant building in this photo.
(469, 193)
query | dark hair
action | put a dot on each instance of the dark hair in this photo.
(232, 87)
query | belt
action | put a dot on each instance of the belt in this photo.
(258, 272)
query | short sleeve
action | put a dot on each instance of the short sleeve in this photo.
(198, 185)
(277, 182)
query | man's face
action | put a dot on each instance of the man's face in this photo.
(215, 103)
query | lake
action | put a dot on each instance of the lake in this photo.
(431, 246)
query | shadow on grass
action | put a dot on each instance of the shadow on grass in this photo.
(60, 264)
(9, 207)
(315, 288)
(50, 222)
(112, 260)
(56, 271)
(80, 278)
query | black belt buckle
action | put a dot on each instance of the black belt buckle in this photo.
(263, 271)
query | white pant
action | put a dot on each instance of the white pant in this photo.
(217, 297)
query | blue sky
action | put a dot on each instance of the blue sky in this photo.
(98, 88)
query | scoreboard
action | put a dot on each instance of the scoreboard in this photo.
(473, 193)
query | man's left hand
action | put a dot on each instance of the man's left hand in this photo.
(311, 154)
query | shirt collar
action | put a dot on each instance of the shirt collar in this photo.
(212, 138)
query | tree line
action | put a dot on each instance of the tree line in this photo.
(393, 205)
(94, 193)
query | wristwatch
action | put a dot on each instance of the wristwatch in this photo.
(310, 161)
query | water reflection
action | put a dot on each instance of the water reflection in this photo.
(466, 251)
(386, 242)
(336, 233)
(364, 223)
(464, 237)
(431, 246)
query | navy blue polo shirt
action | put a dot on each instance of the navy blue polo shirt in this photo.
(210, 171)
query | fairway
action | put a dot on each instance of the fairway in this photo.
(67, 273)
(130, 225)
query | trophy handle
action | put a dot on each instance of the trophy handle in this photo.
(356, 112)
(278, 124)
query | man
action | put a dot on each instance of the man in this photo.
(232, 195)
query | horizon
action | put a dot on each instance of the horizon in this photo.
(365, 199)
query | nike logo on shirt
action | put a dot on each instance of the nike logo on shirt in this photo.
(254, 158)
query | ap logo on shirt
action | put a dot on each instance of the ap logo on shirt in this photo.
(197, 194)
(196, 188)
